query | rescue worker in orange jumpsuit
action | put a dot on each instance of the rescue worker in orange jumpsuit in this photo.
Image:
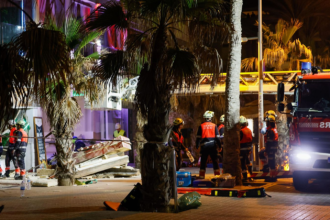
(176, 141)
(20, 148)
(208, 139)
(246, 146)
(10, 155)
(1, 150)
(271, 142)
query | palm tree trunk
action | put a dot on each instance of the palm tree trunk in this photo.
(65, 164)
(232, 162)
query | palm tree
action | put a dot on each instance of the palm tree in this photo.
(46, 71)
(232, 111)
(62, 110)
(281, 48)
(168, 65)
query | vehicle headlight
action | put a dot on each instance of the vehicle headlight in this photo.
(303, 156)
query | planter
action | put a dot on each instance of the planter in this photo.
(64, 182)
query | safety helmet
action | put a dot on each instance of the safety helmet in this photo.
(270, 112)
(74, 137)
(178, 121)
(208, 114)
(271, 118)
(117, 126)
(222, 118)
(21, 123)
(242, 120)
(11, 122)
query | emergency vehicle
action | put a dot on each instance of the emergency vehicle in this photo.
(309, 155)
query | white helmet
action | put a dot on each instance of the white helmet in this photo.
(208, 114)
(11, 122)
(242, 120)
(117, 126)
(222, 118)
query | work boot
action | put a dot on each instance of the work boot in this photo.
(1, 176)
(16, 176)
(7, 173)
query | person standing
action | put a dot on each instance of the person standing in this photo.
(176, 141)
(118, 132)
(246, 146)
(221, 127)
(20, 148)
(271, 142)
(208, 139)
(10, 155)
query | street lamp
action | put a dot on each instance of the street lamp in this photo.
(260, 95)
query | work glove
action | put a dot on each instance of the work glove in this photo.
(263, 130)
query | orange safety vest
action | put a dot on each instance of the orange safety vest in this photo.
(247, 135)
(208, 130)
(12, 139)
(221, 126)
(24, 136)
(275, 132)
(178, 138)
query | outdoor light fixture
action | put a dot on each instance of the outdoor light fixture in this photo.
(98, 42)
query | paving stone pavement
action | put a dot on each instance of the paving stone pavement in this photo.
(81, 202)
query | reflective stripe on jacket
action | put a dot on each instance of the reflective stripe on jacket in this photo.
(207, 135)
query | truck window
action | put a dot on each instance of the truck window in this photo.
(314, 95)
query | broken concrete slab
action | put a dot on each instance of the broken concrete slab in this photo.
(119, 144)
(44, 182)
(45, 172)
(98, 165)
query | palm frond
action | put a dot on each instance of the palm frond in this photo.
(46, 53)
(107, 15)
(72, 33)
(15, 84)
(90, 37)
(250, 64)
(112, 65)
(181, 67)
(290, 30)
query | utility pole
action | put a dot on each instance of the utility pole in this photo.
(261, 92)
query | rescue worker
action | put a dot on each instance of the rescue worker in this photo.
(262, 154)
(118, 132)
(20, 148)
(176, 141)
(221, 127)
(245, 146)
(271, 142)
(10, 155)
(1, 150)
(208, 139)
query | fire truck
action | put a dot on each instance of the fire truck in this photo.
(309, 155)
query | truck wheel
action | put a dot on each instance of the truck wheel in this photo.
(300, 182)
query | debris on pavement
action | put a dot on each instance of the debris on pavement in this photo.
(189, 201)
